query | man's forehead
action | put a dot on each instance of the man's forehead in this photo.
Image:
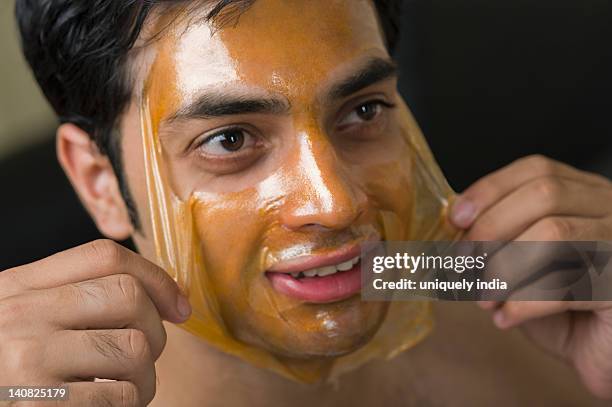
(288, 47)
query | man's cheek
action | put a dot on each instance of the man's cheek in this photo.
(389, 186)
(229, 233)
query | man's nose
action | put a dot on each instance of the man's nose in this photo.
(322, 194)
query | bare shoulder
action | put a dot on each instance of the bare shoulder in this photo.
(468, 361)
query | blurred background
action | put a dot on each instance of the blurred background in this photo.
(488, 80)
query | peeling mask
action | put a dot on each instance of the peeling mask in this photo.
(267, 151)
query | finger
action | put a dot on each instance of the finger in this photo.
(555, 330)
(98, 259)
(490, 189)
(552, 332)
(117, 301)
(516, 265)
(513, 313)
(119, 354)
(120, 394)
(567, 228)
(487, 305)
(536, 199)
(546, 271)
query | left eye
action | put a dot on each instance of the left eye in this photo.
(363, 113)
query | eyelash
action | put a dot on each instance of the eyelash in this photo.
(230, 162)
(236, 128)
(218, 133)
(376, 102)
(380, 102)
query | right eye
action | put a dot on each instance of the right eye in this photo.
(229, 150)
(227, 142)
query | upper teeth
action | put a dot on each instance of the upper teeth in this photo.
(328, 270)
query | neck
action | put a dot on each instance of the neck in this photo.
(191, 372)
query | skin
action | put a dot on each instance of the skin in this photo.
(307, 180)
(53, 311)
(537, 199)
(100, 317)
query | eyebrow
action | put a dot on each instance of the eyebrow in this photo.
(375, 70)
(219, 103)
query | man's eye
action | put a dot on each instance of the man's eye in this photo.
(364, 113)
(227, 142)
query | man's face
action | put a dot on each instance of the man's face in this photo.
(284, 136)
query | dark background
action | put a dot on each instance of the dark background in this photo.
(489, 81)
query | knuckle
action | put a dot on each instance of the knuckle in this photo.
(107, 253)
(10, 282)
(128, 395)
(549, 189)
(12, 310)
(19, 357)
(540, 164)
(131, 291)
(138, 345)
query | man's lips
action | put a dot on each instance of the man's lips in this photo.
(319, 279)
(335, 287)
(304, 263)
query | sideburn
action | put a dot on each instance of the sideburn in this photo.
(115, 155)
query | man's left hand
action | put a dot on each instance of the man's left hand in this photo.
(538, 199)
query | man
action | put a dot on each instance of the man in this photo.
(236, 92)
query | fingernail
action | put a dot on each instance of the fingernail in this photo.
(463, 213)
(499, 319)
(183, 307)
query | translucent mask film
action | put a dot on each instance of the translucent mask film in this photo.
(308, 196)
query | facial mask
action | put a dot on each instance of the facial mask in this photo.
(217, 236)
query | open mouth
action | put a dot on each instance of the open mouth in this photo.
(320, 279)
(327, 270)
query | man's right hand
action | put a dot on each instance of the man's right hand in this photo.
(94, 311)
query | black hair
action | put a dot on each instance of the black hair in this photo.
(78, 52)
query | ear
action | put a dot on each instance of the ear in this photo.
(94, 180)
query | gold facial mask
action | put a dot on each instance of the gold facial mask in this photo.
(309, 194)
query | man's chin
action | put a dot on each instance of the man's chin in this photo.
(316, 331)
